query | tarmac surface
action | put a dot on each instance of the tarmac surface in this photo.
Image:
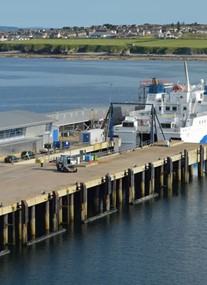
(28, 179)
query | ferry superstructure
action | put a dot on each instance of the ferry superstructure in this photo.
(177, 112)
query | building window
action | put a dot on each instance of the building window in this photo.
(167, 108)
(12, 133)
(174, 108)
(48, 127)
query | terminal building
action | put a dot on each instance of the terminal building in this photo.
(23, 130)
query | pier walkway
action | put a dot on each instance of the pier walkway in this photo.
(26, 181)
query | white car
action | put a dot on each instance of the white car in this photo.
(46, 150)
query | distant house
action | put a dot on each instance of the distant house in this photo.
(24, 38)
(103, 34)
(3, 38)
(71, 34)
(81, 33)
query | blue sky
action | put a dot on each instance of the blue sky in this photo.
(58, 14)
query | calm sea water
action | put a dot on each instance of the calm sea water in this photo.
(159, 242)
(48, 85)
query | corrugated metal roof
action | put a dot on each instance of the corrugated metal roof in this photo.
(20, 118)
(78, 115)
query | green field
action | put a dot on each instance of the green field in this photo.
(149, 42)
(139, 45)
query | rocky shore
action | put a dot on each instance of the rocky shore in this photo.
(104, 56)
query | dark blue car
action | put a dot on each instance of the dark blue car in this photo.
(11, 159)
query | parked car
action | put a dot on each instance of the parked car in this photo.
(11, 159)
(27, 154)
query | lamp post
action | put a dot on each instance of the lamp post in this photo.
(58, 101)
(110, 93)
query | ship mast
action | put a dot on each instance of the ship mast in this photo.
(187, 80)
(188, 93)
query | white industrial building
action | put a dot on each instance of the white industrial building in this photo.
(23, 130)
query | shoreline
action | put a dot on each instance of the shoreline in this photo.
(104, 56)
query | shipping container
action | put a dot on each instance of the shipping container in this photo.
(92, 136)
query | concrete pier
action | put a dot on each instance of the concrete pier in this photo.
(37, 203)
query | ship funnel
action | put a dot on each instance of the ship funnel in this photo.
(187, 77)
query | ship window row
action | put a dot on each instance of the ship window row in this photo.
(174, 108)
(166, 126)
(167, 108)
(12, 133)
(202, 122)
(128, 124)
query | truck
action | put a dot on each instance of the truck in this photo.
(66, 163)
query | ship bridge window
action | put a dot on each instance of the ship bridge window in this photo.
(167, 108)
(166, 126)
(174, 108)
(128, 124)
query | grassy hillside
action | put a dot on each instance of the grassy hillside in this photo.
(136, 45)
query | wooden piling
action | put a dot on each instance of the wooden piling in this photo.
(5, 231)
(120, 194)
(96, 200)
(131, 186)
(33, 223)
(14, 227)
(71, 208)
(20, 222)
(114, 183)
(84, 206)
(25, 220)
(108, 191)
(201, 161)
(55, 210)
(186, 177)
(169, 174)
(190, 169)
(143, 183)
(152, 178)
(47, 217)
(60, 212)
(161, 180)
(179, 176)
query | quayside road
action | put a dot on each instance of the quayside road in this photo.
(28, 180)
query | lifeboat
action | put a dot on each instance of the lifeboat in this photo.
(178, 87)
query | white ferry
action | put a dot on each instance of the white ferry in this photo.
(172, 112)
